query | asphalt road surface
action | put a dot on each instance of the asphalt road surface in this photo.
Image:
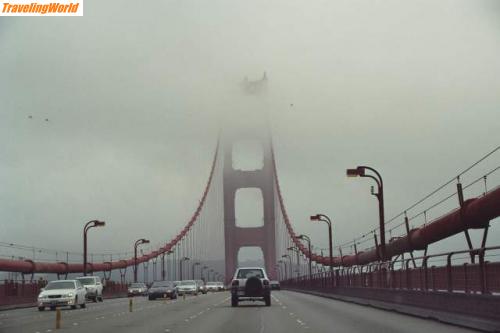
(290, 312)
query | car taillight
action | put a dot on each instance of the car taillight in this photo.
(235, 283)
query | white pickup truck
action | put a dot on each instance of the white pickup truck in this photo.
(250, 284)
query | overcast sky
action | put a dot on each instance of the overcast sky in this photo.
(134, 96)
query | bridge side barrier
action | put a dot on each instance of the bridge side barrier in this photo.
(482, 277)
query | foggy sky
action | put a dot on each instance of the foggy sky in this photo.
(134, 97)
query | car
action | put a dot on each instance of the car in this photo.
(202, 288)
(137, 289)
(162, 289)
(94, 287)
(221, 286)
(275, 285)
(250, 284)
(187, 287)
(212, 286)
(62, 293)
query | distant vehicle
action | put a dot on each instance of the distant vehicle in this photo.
(221, 285)
(62, 293)
(187, 287)
(94, 287)
(275, 285)
(137, 289)
(162, 289)
(250, 284)
(202, 288)
(213, 286)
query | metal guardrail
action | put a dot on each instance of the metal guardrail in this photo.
(482, 277)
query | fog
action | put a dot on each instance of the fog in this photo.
(115, 115)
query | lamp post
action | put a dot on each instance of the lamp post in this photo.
(284, 263)
(136, 244)
(201, 273)
(297, 251)
(180, 265)
(289, 268)
(326, 219)
(163, 275)
(193, 267)
(360, 171)
(308, 240)
(280, 273)
(89, 225)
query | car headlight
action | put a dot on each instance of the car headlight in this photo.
(70, 295)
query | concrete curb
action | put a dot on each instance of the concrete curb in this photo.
(480, 324)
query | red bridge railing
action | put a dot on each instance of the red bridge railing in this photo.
(482, 277)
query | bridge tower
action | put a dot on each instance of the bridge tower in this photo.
(263, 236)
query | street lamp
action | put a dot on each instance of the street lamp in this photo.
(180, 265)
(193, 267)
(284, 263)
(326, 219)
(360, 171)
(297, 251)
(280, 273)
(136, 244)
(308, 240)
(163, 264)
(88, 225)
(289, 268)
(201, 273)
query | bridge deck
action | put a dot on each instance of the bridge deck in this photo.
(290, 312)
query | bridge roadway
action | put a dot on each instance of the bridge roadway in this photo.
(290, 312)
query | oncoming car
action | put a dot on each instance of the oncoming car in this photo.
(137, 289)
(162, 289)
(62, 293)
(93, 286)
(187, 287)
(250, 284)
(202, 287)
(212, 286)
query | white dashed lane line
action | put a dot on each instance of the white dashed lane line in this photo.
(291, 314)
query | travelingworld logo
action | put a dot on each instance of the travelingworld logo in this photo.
(41, 8)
